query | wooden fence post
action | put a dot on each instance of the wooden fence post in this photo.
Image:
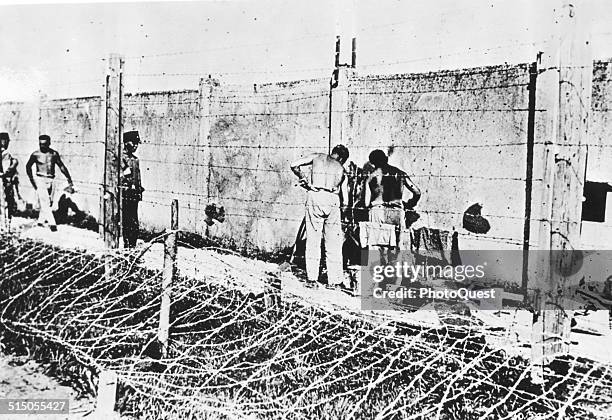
(531, 115)
(107, 394)
(111, 197)
(169, 274)
(563, 178)
(203, 152)
(340, 130)
(273, 293)
(4, 219)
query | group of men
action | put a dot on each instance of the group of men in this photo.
(326, 186)
(46, 159)
(327, 195)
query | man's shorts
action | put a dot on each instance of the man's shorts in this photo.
(389, 215)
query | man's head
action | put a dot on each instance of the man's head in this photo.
(44, 141)
(340, 153)
(131, 140)
(378, 158)
(4, 141)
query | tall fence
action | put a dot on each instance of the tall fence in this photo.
(462, 136)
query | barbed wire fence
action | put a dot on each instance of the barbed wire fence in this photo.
(233, 354)
(240, 98)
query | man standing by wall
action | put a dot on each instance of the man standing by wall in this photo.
(44, 183)
(131, 188)
(326, 192)
(383, 196)
(8, 169)
(385, 189)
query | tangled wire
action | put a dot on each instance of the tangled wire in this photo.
(235, 355)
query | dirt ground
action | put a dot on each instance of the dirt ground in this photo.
(249, 275)
(21, 378)
(25, 379)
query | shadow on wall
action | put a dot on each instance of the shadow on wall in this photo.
(214, 214)
(68, 213)
(473, 221)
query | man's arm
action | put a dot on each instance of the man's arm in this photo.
(12, 168)
(9, 171)
(63, 168)
(295, 167)
(344, 191)
(368, 192)
(139, 176)
(416, 192)
(126, 173)
(31, 162)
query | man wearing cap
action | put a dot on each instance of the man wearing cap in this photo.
(8, 172)
(45, 160)
(131, 188)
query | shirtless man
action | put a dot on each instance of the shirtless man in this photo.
(44, 183)
(383, 197)
(385, 188)
(8, 172)
(326, 189)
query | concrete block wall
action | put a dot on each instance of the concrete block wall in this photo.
(598, 235)
(170, 155)
(255, 133)
(76, 128)
(461, 135)
(20, 120)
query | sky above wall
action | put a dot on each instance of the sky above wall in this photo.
(61, 49)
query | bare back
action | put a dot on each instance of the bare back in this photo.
(327, 173)
(386, 185)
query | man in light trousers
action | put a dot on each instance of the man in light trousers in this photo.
(45, 160)
(326, 189)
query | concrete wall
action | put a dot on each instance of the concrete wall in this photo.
(76, 127)
(20, 120)
(170, 161)
(231, 145)
(596, 235)
(461, 136)
(255, 132)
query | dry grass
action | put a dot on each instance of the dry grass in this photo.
(233, 356)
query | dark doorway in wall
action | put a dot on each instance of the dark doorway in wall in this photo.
(594, 205)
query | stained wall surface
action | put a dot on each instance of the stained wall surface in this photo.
(460, 135)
